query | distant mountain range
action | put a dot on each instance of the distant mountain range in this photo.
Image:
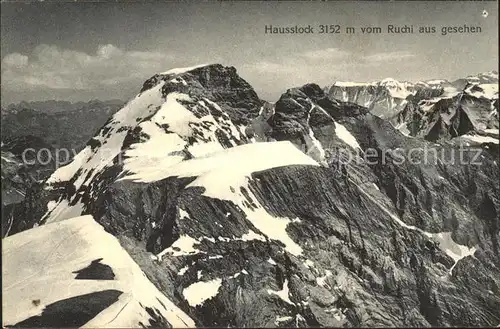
(40, 130)
(67, 125)
(433, 109)
(55, 106)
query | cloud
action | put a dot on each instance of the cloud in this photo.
(305, 63)
(323, 64)
(51, 72)
(285, 67)
(272, 77)
(15, 60)
(388, 56)
(328, 53)
(49, 67)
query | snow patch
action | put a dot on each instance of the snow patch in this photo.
(283, 294)
(488, 90)
(271, 261)
(183, 246)
(314, 148)
(309, 263)
(321, 280)
(175, 115)
(346, 136)
(280, 319)
(198, 292)
(450, 247)
(251, 235)
(491, 131)
(183, 214)
(481, 139)
(403, 128)
(218, 172)
(337, 314)
(183, 270)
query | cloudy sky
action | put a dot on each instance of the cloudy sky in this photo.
(105, 50)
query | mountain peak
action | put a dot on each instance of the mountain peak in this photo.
(216, 81)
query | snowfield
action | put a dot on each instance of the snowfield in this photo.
(38, 270)
(219, 171)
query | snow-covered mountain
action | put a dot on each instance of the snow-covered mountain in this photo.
(383, 98)
(200, 204)
(434, 109)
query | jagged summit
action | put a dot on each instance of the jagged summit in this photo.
(200, 73)
(214, 80)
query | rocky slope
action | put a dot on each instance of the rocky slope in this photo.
(12, 191)
(303, 213)
(23, 197)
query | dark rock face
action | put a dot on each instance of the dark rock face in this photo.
(388, 230)
(336, 218)
(23, 198)
(24, 214)
(156, 319)
(95, 271)
(72, 312)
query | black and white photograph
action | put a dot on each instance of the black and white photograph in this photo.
(280, 164)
